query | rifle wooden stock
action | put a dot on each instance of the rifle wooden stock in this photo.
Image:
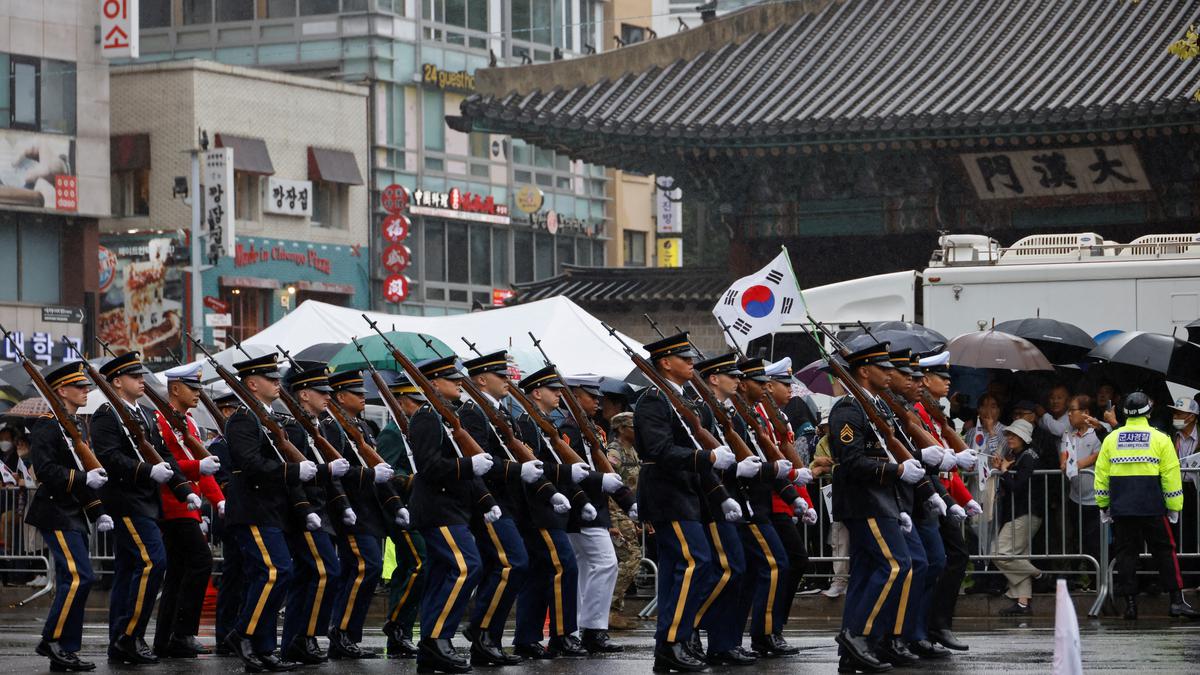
(389, 399)
(366, 452)
(916, 431)
(328, 452)
(287, 451)
(138, 435)
(560, 447)
(787, 441)
(588, 430)
(736, 443)
(519, 450)
(765, 442)
(949, 433)
(82, 450)
(706, 440)
(177, 421)
(893, 444)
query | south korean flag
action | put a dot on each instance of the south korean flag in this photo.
(759, 304)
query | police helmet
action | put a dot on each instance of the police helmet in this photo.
(1137, 403)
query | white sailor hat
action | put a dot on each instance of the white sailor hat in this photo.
(780, 370)
(188, 374)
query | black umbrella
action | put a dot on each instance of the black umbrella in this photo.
(903, 335)
(1176, 360)
(1061, 342)
(615, 387)
(1193, 330)
(322, 351)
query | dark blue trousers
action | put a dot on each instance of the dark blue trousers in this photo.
(880, 576)
(408, 580)
(73, 579)
(685, 577)
(267, 570)
(767, 569)
(453, 573)
(916, 621)
(315, 568)
(553, 586)
(361, 560)
(231, 589)
(718, 614)
(138, 568)
(505, 570)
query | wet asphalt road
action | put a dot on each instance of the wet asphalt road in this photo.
(996, 646)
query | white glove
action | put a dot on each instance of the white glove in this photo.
(749, 467)
(161, 472)
(349, 517)
(493, 515)
(782, 468)
(935, 500)
(308, 470)
(1104, 517)
(911, 471)
(966, 460)
(588, 513)
(810, 517)
(905, 523)
(104, 523)
(221, 508)
(560, 502)
(402, 517)
(339, 467)
(532, 470)
(724, 457)
(949, 459)
(579, 471)
(384, 471)
(610, 483)
(932, 455)
(193, 502)
(1173, 516)
(973, 509)
(312, 522)
(731, 509)
(481, 464)
(209, 465)
(803, 477)
(956, 513)
(96, 478)
(799, 506)
(633, 512)
(204, 525)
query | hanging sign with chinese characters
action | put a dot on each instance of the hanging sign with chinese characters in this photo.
(1057, 172)
(218, 202)
(396, 258)
(288, 197)
(395, 288)
(396, 228)
(460, 206)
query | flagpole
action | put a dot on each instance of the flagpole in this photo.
(799, 289)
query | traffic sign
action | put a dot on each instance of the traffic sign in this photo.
(216, 304)
(394, 198)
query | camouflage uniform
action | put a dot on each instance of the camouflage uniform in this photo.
(629, 542)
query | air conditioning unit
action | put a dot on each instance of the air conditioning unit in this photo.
(965, 249)
(1163, 246)
(1052, 247)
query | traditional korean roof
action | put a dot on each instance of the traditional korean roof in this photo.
(592, 286)
(829, 71)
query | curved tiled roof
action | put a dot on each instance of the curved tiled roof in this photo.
(591, 286)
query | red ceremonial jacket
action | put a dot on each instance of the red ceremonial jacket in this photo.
(206, 486)
(953, 482)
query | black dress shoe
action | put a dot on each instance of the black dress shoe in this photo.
(928, 650)
(566, 645)
(948, 639)
(191, 643)
(847, 664)
(859, 654)
(782, 648)
(485, 651)
(144, 649)
(437, 656)
(1016, 609)
(399, 646)
(298, 651)
(895, 652)
(1180, 607)
(732, 657)
(242, 648)
(693, 646)
(222, 649)
(747, 652)
(314, 647)
(277, 665)
(596, 641)
(533, 651)
(60, 662)
(124, 650)
(673, 657)
(78, 664)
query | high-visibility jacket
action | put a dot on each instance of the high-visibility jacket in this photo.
(1137, 472)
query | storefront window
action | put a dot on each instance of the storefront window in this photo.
(635, 248)
(234, 10)
(566, 252)
(311, 7)
(543, 255)
(197, 12)
(500, 275)
(523, 256)
(583, 252)
(131, 193)
(456, 249)
(435, 251)
(251, 310)
(40, 255)
(481, 255)
(154, 13)
(277, 9)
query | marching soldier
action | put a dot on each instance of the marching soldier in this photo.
(61, 508)
(360, 542)
(189, 558)
(553, 572)
(866, 501)
(626, 533)
(230, 586)
(408, 579)
(505, 562)
(446, 491)
(131, 496)
(266, 500)
(315, 564)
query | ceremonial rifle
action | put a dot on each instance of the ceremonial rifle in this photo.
(284, 449)
(205, 399)
(956, 442)
(137, 435)
(917, 433)
(83, 451)
(175, 419)
(587, 428)
(385, 391)
(328, 452)
(559, 448)
(465, 443)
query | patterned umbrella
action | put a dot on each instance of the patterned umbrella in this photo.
(30, 407)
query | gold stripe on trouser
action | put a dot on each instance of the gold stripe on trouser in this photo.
(487, 617)
(358, 579)
(147, 568)
(903, 602)
(887, 588)
(558, 582)
(769, 623)
(321, 579)
(459, 581)
(412, 578)
(687, 581)
(726, 574)
(75, 581)
(272, 575)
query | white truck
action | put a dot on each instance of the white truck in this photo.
(1151, 284)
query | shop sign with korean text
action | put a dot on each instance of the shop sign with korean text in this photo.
(218, 201)
(459, 206)
(288, 197)
(1055, 172)
(118, 28)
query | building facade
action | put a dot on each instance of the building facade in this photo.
(54, 178)
(300, 201)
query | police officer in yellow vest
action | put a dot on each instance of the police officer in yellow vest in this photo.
(1139, 491)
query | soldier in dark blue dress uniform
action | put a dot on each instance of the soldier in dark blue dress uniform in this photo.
(230, 587)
